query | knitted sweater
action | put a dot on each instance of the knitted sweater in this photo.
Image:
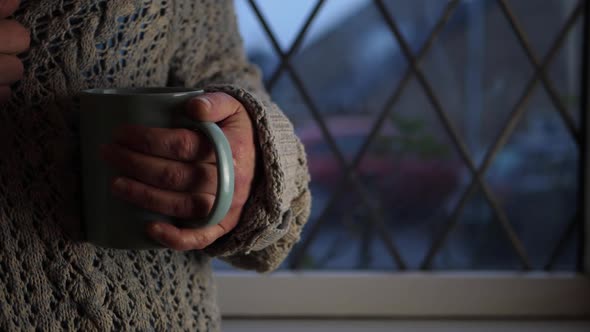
(51, 280)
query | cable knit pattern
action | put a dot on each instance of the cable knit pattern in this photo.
(53, 282)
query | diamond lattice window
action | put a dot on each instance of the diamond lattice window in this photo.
(440, 134)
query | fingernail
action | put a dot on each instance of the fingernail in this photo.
(202, 103)
(156, 230)
(119, 184)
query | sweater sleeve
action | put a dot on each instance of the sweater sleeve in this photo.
(279, 203)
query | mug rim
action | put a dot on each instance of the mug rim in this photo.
(140, 91)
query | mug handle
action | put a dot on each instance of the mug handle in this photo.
(225, 175)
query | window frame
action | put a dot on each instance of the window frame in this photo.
(426, 294)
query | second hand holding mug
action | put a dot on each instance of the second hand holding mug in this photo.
(109, 221)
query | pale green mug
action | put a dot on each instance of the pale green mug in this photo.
(109, 221)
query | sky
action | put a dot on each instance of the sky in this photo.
(287, 16)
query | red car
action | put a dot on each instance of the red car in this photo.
(404, 183)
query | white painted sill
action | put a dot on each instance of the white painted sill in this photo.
(436, 295)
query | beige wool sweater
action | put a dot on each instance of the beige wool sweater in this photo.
(52, 281)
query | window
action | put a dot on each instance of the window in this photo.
(441, 136)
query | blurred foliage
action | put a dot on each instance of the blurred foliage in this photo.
(412, 138)
(570, 101)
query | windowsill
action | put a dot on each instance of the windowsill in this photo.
(435, 295)
(232, 325)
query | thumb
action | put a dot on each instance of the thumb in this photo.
(7, 7)
(213, 107)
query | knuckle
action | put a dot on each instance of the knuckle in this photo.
(183, 145)
(239, 152)
(172, 177)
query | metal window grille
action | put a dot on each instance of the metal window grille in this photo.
(350, 180)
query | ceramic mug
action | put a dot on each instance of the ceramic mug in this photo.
(110, 221)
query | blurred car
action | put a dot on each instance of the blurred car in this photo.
(406, 185)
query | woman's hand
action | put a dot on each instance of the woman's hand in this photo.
(173, 171)
(14, 39)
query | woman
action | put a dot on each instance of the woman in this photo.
(52, 280)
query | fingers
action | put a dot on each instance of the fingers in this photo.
(162, 173)
(174, 144)
(183, 239)
(213, 107)
(8, 7)
(174, 204)
(237, 127)
(11, 68)
(175, 181)
(158, 165)
(189, 145)
(14, 37)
